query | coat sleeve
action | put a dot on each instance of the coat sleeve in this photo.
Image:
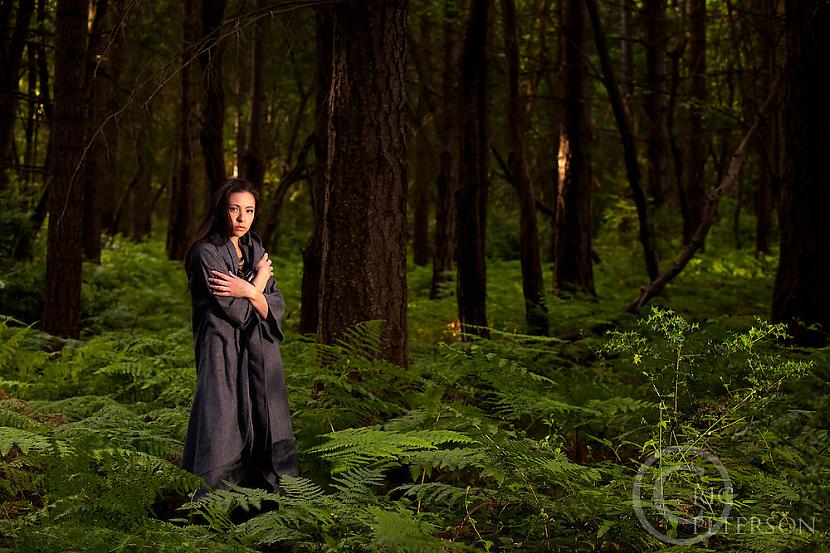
(237, 311)
(276, 308)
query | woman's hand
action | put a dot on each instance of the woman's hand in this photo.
(231, 285)
(264, 265)
(264, 271)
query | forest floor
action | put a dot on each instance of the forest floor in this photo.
(518, 443)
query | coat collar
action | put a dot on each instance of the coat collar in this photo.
(250, 245)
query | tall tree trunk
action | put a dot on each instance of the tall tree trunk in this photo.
(213, 104)
(801, 296)
(473, 181)
(181, 191)
(632, 165)
(626, 53)
(695, 191)
(11, 54)
(536, 311)
(574, 271)
(313, 253)
(423, 174)
(254, 157)
(447, 178)
(141, 190)
(364, 215)
(103, 59)
(657, 100)
(62, 305)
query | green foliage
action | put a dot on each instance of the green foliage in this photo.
(518, 443)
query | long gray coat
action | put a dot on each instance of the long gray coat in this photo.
(240, 426)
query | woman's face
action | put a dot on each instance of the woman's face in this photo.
(241, 206)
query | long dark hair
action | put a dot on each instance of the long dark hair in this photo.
(216, 226)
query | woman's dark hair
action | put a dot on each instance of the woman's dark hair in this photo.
(216, 227)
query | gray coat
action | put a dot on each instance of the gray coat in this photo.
(240, 426)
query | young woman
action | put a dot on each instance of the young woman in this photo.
(240, 426)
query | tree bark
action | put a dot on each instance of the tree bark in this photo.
(695, 145)
(632, 166)
(536, 311)
(363, 273)
(474, 148)
(103, 61)
(656, 100)
(447, 178)
(211, 135)
(11, 54)
(181, 191)
(801, 296)
(573, 266)
(62, 305)
(423, 158)
(312, 253)
(254, 157)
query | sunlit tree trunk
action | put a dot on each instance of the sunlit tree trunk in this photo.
(573, 265)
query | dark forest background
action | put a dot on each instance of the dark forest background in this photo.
(574, 231)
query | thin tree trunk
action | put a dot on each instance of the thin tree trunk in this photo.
(712, 199)
(102, 77)
(657, 98)
(573, 267)
(632, 166)
(363, 273)
(181, 192)
(536, 311)
(11, 54)
(471, 199)
(801, 296)
(695, 145)
(213, 104)
(447, 179)
(62, 305)
(312, 253)
(254, 157)
(423, 174)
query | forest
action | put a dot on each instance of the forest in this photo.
(555, 271)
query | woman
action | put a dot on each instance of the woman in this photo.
(240, 426)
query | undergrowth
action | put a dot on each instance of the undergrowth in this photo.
(518, 443)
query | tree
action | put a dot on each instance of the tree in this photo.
(693, 174)
(573, 265)
(363, 273)
(657, 99)
(62, 305)
(181, 192)
(11, 53)
(473, 178)
(632, 166)
(312, 253)
(536, 311)
(447, 177)
(211, 135)
(801, 296)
